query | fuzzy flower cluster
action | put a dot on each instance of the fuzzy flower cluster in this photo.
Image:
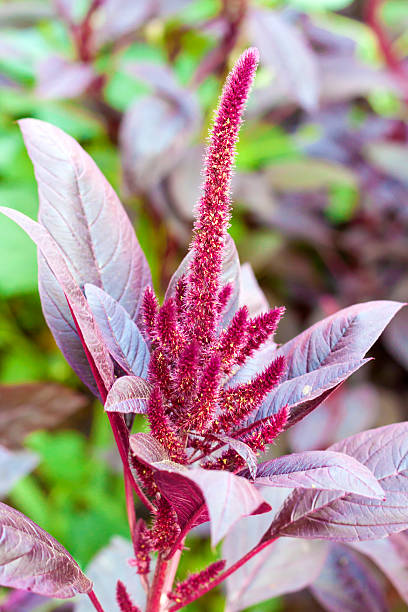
(192, 403)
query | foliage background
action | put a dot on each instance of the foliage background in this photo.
(320, 210)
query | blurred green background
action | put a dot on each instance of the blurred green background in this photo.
(320, 191)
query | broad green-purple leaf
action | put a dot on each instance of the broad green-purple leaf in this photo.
(286, 51)
(284, 566)
(58, 78)
(83, 214)
(107, 567)
(391, 555)
(129, 394)
(13, 466)
(231, 273)
(349, 517)
(154, 133)
(323, 356)
(72, 294)
(32, 560)
(228, 497)
(346, 584)
(120, 333)
(327, 470)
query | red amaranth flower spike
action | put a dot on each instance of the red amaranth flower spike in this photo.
(203, 410)
(185, 380)
(143, 544)
(233, 339)
(122, 597)
(237, 403)
(224, 296)
(260, 329)
(266, 432)
(161, 427)
(213, 211)
(183, 590)
(166, 529)
(150, 308)
(168, 333)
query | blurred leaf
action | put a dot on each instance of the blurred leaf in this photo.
(13, 467)
(260, 143)
(26, 408)
(284, 49)
(21, 14)
(319, 5)
(342, 203)
(308, 175)
(57, 78)
(389, 157)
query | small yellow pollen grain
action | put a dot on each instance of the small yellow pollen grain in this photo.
(306, 390)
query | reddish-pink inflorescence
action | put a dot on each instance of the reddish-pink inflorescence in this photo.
(183, 590)
(194, 356)
(122, 597)
(213, 211)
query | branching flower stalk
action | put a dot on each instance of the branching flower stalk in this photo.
(193, 357)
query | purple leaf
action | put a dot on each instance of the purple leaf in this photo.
(323, 356)
(85, 217)
(283, 48)
(251, 294)
(243, 451)
(107, 567)
(348, 517)
(128, 394)
(346, 583)
(33, 560)
(228, 497)
(280, 568)
(231, 273)
(71, 293)
(154, 133)
(396, 338)
(57, 78)
(338, 417)
(327, 470)
(13, 466)
(391, 555)
(120, 17)
(121, 335)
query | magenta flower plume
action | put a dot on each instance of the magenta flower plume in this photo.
(183, 590)
(122, 597)
(213, 215)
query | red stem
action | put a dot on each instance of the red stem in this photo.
(373, 19)
(254, 551)
(95, 601)
(154, 603)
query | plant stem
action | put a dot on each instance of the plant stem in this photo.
(156, 593)
(130, 507)
(95, 601)
(223, 576)
(123, 454)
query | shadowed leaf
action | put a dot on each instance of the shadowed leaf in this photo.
(33, 560)
(121, 335)
(346, 583)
